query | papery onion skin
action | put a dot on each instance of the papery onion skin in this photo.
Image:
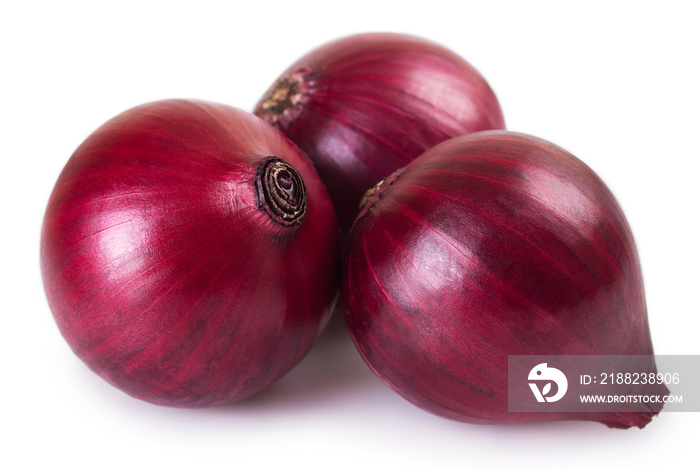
(363, 106)
(166, 270)
(490, 245)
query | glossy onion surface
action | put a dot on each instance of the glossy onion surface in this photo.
(364, 106)
(490, 245)
(182, 263)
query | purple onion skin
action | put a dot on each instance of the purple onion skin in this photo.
(166, 270)
(490, 245)
(366, 105)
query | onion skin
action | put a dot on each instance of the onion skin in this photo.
(363, 106)
(165, 269)
(490, 245)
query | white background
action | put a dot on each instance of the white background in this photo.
(615, 83)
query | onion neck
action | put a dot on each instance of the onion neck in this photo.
(281, 192)
(374, 194)
(283, 102)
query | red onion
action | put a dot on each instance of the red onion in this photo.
(490, 245)
(364, 106)
(189, 253)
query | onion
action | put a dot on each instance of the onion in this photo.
(364, 106)
(490, 245)
(190, 253)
